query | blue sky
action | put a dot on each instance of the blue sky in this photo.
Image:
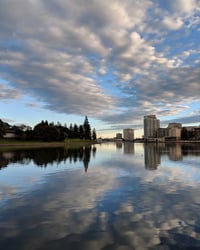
(113, 61)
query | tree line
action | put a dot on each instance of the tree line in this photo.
(49, 131)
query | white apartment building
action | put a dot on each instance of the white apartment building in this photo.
(151, 125)
(128, 134)
(174, 130)
(119, 136)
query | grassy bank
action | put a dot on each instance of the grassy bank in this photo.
(11, 143)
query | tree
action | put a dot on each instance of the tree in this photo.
(81, 132)
(3, 127)
(87, 129)
(184, 134)
(71, 132)
(94, 135)
(75, 131)
(49, 131)
(46, 132)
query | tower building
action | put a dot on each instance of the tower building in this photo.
(128, 134)
(151, 125)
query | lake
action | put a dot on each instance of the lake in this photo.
(108, 196)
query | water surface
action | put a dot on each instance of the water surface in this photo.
(108, 196)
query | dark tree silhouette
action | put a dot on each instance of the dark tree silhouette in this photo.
(46, 132)
(81, 132)
(94, 135)
(3, 127)
(49, 131)
(87, 129)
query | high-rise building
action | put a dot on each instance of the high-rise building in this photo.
(174, 125)
(119, 136)
(174, 130)
(162, 132)
(128, 134)
(151, 125)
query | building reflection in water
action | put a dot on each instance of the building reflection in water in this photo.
(129, 148)
(152, 156)
(119, 145)
(175, 152)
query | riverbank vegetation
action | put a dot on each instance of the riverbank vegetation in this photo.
(47, 132)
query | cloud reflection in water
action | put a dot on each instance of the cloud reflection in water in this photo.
(117, 204)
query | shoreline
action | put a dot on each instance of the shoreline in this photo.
(44, 144)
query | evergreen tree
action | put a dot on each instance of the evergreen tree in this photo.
(87, 129)
(184, 134)
(3, 127)
(75, 131)
(94, 135)
(71, 134)
(47, 132)
(81, 132)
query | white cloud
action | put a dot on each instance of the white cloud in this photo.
(7, 93)
(183, 6)
(171, 23)
(58, 52)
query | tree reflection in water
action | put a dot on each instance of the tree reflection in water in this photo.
(43, 157)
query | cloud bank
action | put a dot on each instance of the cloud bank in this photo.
(111, 61)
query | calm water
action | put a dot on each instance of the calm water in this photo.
(108, 196)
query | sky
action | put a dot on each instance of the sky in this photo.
(112, 61)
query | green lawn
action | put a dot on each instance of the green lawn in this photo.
(12, 143)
